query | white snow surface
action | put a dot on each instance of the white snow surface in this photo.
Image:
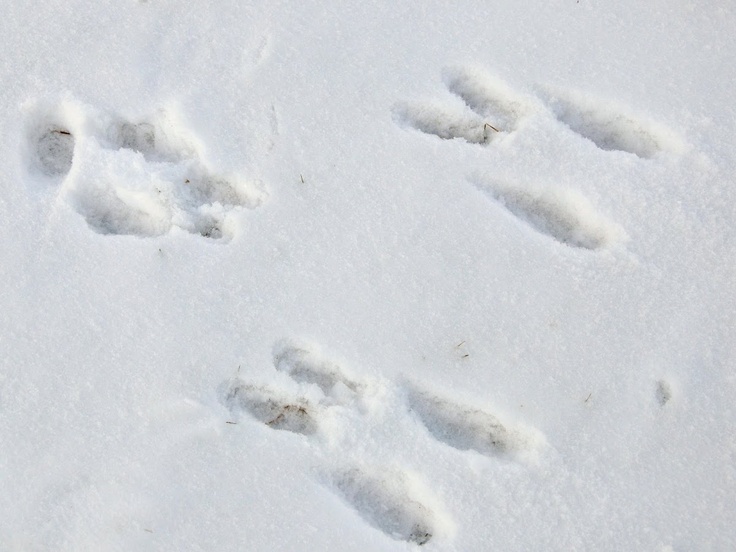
(367, 275)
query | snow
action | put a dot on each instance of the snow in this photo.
(367, 276)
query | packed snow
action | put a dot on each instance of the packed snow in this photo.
(362, 276)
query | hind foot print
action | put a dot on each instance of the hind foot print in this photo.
(610, 127)
(270, 407)
(467, 428)
(387, 500)
(562, 214)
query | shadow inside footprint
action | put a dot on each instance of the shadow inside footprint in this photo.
(487, 96)
(305, 366)
(465, 428)
(55, 151)
(489, 109)
(209, 228)
(138, 137)
(663, 392)
(270, 408)
(559, 213)
(609, 127)
(444, 122)
(385, 501)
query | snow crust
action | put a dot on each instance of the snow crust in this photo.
(367, 276)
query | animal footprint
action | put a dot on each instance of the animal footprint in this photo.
(270, 407)
(279, 411)
(464, 427)
(133, 178)
(386, 499)
(663, 392)
(305, 366)
(609, 127)
(55, 151)
(490, 98)
(489, 108)
(562, 214)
